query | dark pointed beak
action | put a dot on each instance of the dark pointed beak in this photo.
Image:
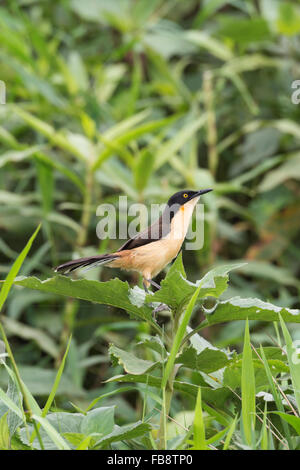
(203, 191)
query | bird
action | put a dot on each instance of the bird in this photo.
(152, 249)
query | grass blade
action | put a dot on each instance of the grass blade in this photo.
(276, 396)
(15, 269)
(293, 361)
(248, 390)
(230, 434)
(199, 426)
(52, 433)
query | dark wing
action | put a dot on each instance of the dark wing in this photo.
(154, 232)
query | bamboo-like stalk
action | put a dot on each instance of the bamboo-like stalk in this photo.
(212, 138)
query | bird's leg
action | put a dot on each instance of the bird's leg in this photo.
(145, 287)
(153, 283)
(161, 307)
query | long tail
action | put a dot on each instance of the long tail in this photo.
(90, 261)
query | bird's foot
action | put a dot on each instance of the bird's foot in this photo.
(160, 308)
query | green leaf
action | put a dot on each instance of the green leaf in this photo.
(288, 22)
(217, 397)
(54, 387)
(248, 390)
(40, 381)
(15, 269)
(99, 420)
(113, 292)
(4, 433)
(56, 138)
(290, 169)
(212, 45)
(293, 360)
(15, 156)
(120, 433)
(294, 421)
(130, 135)
(207, 361)
(176, 291)
(75, 438)
(61, 422)
(44, 341)
(169, 148)
(131, 364)
(244, 30)
(10, 402)
(254, 309)
(52, 433)
(143, 169)
(199, 426)
(230, 433)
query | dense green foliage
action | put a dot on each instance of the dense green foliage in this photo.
(144, 98)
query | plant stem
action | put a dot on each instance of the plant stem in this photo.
(16, 370)
(178, 332)
(70, 307)
(211, 122)
(86, 213)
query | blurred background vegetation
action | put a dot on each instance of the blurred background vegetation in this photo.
(144, 98)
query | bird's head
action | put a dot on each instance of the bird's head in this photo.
(184, 197)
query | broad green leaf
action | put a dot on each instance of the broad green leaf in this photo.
(131, 363)
(75, 438)
(244, 30)
(60, 422)
(254, 309)
(52, 433)
(207, 361)
(40, 382)
(114, 292)
(99, 420)
(176, 291)
(293, 420)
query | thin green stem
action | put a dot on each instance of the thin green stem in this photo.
(178, 332)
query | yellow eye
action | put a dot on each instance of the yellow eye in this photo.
(185, 195)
